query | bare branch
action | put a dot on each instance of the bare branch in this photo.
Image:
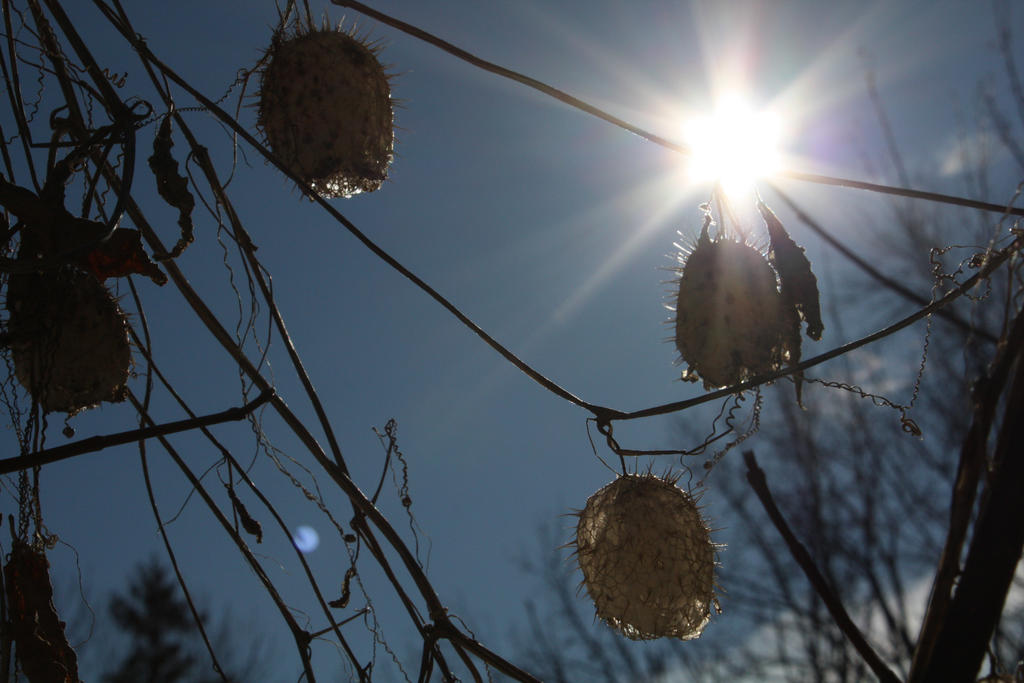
(98, 443)
(988, 570)
(755, 475)
(986, 396)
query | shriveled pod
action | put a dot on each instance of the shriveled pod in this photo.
(44, 653)
(728, 312)
(69, 339)
(325, 110)
(647, 558)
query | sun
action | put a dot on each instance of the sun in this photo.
(733, 146)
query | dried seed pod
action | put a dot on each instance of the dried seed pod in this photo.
(728, 324)
(38, 633)
(325, 110)
(69, 339)
(647, 558)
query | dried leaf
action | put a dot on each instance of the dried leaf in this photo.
(122, 255)
(172, 187)
(799, 289)
(346, 591)
(250, 525)
(799, 285)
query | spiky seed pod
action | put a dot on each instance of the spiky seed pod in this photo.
(728, 322)
(69, 339)
(647, 558)
(325, 109)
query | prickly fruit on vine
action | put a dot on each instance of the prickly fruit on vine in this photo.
(325, 110)
(647, 558)
(68, 339)
(728, 323)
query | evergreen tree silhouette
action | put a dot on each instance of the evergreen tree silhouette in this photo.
(162, 632)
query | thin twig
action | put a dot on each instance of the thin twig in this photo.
(122, 115)
(207, 317)
(482, 652)
(301, 637)
(243, 475)
(427, 658)
(493, 68)
(1004, 18)
(167, 541)
(146, 345)
(755, 475)
(658, 140)
(245, 244)
(883, 119)
(98, 443)
(14, 93)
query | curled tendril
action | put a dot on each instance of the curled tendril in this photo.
(909, 426)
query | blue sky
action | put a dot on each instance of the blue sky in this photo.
(549, 228)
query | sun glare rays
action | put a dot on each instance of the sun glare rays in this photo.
(734, 145)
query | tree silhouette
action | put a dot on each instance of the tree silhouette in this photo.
(164, 644)
(76, 220)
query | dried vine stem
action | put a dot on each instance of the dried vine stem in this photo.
(98, 443)
(296, 425)
(758, 482)
(14, 93)
(240, 470)
(146, 346)
(674, 146)
(301, 636)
